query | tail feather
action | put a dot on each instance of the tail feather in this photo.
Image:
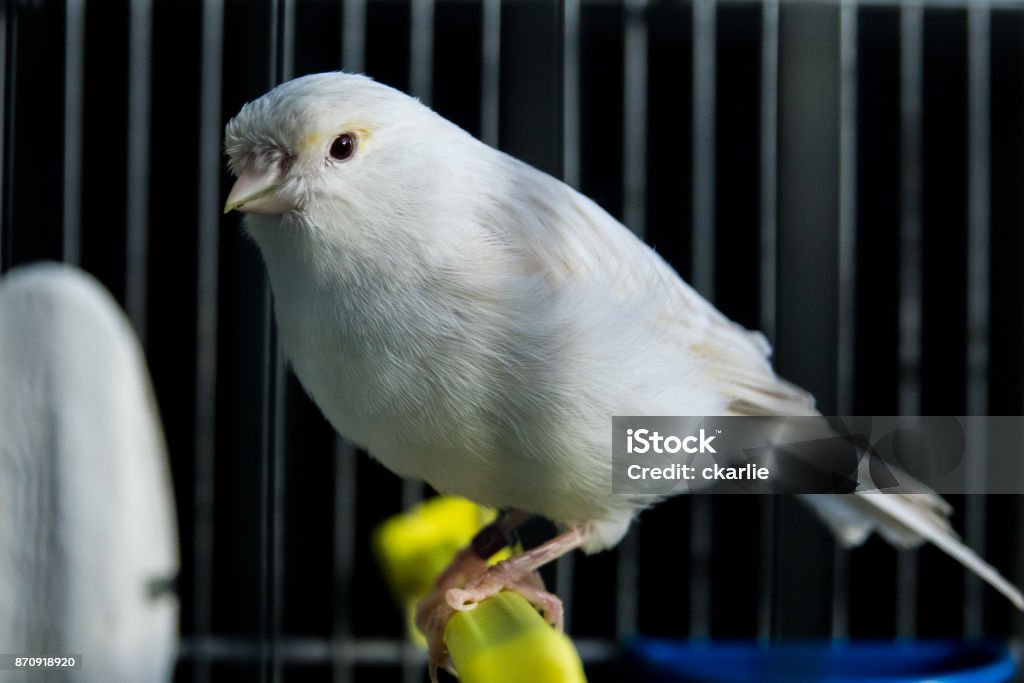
(906, 516)
(909, 514)
(906, 520)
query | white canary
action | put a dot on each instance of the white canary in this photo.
(474, 322)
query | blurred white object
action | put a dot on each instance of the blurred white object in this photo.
(88, 539)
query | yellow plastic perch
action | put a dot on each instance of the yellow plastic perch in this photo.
(505, 640)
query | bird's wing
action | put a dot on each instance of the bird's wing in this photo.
(575, 243)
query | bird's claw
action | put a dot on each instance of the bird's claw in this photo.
(433, 612)
(432, 617)
(437, 658)
(507, 576)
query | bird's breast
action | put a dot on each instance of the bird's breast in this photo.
(387, 370)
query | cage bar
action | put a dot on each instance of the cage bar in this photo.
(353, 35)
(7, 23)
(634, 189)
(5, 176)
(978, 269)
(137, 200)
(570, 86)
(271, 494)
(344, 557)
(769, 187)
(74, 76)
(704, 74)
(847, 293)
(704, 147)
(768, 238)
(571, 92)
(910, 310)
(627, 574)
(421, 52)
(847, 280)
(490, 91)
(207, 271)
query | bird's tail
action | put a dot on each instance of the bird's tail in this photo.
(905, 520)
(906, 515)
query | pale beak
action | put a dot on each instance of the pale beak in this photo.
(257, 191)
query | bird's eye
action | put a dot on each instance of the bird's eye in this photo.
(343, 147)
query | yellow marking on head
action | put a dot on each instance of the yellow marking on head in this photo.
(362, 134)
(309, 142)
(316, 140)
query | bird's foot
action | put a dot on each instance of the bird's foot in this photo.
(468, 580)
(433, 612)
(519, 574)
(432, 615)
(509, 575)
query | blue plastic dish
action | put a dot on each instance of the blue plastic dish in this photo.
(932, 661)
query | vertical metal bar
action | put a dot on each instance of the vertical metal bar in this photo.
(704, 147)
(421, 50)
(840, 592)
(137, 202)
(847, 204)
(345, 455)
(269, 391)
(564, 572)
(286, 41)
(769, 163)
(911, 69)
(766, 584)
(700, 566)
(207, 265)
(345, 511)
(490, 91)
(571, 92)
(7, 137)
(353, 38)
(635, 116)
(911, 97)
(74, 77)
(978, 231)
(768, 285)
(626, 593)
(847, 280)
(277, 497)
(704, 68)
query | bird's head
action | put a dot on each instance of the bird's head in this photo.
(317, 143)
